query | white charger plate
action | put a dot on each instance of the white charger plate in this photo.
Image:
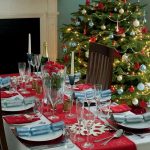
(18, 108)
(137, 125)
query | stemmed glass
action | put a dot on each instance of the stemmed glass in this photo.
(97, 96)
(71, 81)
(22, 70)
(79, 114)
(32, 62)
(88, 121)
(37, 59)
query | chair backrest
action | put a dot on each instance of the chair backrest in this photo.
(100, 65)
(3, 143)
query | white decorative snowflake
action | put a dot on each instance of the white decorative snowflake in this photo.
(96, 129)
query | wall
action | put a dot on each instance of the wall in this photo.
(46, 10)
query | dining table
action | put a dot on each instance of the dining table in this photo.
(138, 139)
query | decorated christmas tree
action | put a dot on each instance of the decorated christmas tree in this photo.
(120, 24)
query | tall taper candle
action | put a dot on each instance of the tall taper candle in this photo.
(72, 63)
(29, 43)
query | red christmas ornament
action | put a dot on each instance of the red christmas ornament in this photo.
(93, 39)
(101, 6)
(112, 88)
(87, 2)
(121, 30)
(131, 89)
(144, 30)
(136, 66)
(143, 104)
(117, 54)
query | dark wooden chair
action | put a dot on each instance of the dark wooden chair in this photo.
(3, 143)
(100, 65)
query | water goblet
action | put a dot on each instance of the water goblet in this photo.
(88, 121)
(71, 81)
(79, 114)
(97, 96)
(22, 69)
(37, 59)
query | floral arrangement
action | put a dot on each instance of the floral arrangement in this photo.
(55, 74)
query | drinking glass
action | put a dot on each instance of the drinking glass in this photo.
(71, 82)
(79, 114)
(37, 59)
(88, 121)
(97, 96)
(32, 62)
(22, 70)
(104, 108)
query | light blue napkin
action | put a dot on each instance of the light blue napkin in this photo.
(40, 129)
(29, 100)
(90, 94)
(5, 81)
(57, 126)
(128, 118)
(15, 102)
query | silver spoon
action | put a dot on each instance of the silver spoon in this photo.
(117, 134)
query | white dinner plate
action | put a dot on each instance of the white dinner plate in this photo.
(18, 108)
(139, 125)
(44, 137)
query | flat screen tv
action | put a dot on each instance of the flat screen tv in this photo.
(14, 42)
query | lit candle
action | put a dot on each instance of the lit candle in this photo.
(72, 63)
(29, 43)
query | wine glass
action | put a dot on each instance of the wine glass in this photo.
(71, 81)
(32, 62)
(97, 96)
(88, 121)
(22, 70)
(79, 114)
(37, 59)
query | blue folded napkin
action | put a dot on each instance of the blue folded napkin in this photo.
(146, 116)
(5, 81)
(29, 100)
(90, 94)
(23, 131)
(12, 102)
(40, 129)
(128, 118)
(57, 126)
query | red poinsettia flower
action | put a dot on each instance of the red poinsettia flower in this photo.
(121, 30)
(101, 6)
(144, 30)
(53, 67)
(93, 39)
